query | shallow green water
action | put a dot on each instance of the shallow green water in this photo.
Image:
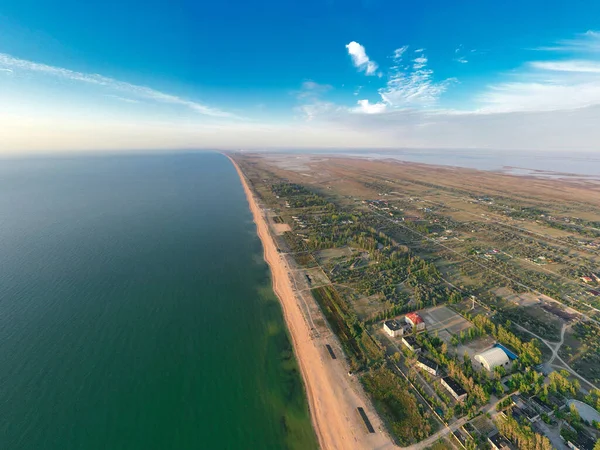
(136, 311)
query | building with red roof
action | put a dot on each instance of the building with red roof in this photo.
(415, 320)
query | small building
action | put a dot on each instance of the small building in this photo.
(455, 389)
(586, 279)
(498, 442)
(393, 328)
(540, 406)
(411, 343)
(427, 365)
(415, 320)
(492, 358)
(521, 409)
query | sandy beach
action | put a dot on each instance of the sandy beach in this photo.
(333, 396)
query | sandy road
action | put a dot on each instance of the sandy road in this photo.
(333, 396)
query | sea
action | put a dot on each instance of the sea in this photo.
(136, 310)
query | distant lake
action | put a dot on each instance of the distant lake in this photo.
(542, 164)
(136, 311)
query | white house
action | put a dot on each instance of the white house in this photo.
(393, 328)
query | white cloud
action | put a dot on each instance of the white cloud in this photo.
(580, 66)
(399, 52)
(370, 108)
(588, 42)
(419, 63)
(546, 86)
(539, 96)
(413, 85)
(360, 59)
(462, 60)
(10, 63)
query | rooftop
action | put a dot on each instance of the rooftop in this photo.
(493, 357)
(428, 362)
(393, 325)
(457, 388)
(410, 340)
(414, 317)
(498, 440)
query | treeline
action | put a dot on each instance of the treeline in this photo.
(358, 345)
(297, 195)
(522, 435)
(528, 352)
(532, 383)
(407, 420)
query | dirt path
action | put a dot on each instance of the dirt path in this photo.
(555, 347)
(333, 397)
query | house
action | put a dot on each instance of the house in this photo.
(587, 279)
(393, 328)
(427, 365)
(415, 320)
(498, 442)
(492, 358)
(540, 406)
(455, 389)
(522, 409)
(411, 343)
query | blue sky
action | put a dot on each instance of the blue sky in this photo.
(272, 74)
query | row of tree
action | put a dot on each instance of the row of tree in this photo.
(521, 434)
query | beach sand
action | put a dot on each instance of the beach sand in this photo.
(333, 396)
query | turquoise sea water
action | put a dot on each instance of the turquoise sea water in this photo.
(136, 311)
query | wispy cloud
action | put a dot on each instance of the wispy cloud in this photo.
(397, 56)
(8, 62)
(412, 85)
(588, 42)
(552, 84)
(317, 108)
(122, 99)
(546, 104)
(310, 98)
(312, 89)
(460, 58)
(360, 59)
(574, 66)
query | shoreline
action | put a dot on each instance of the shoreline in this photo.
(332, 397)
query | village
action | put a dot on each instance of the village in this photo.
(435, 317)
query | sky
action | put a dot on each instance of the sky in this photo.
(136, 75)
